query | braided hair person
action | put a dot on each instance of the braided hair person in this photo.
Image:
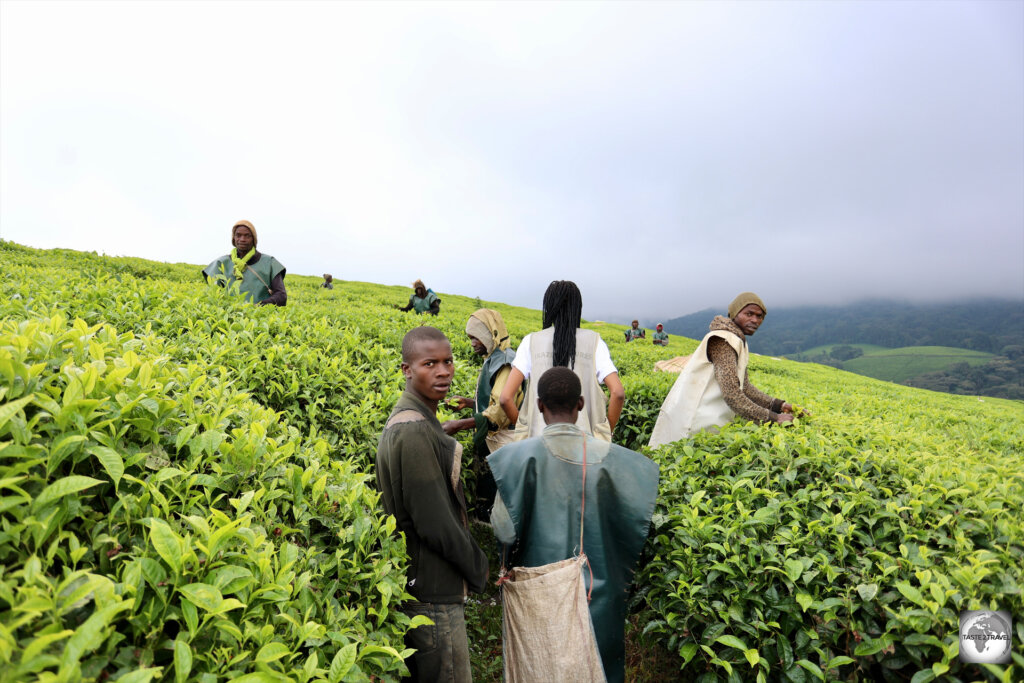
(563, 344)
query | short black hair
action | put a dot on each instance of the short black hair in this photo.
(559, 389)
(416, 335)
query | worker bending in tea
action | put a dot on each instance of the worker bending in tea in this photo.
(540, 495)
(260, 277)
(714, 387)
(422, 300)
(419, 477)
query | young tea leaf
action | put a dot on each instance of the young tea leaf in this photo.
(63, 487)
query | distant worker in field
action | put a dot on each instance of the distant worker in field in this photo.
(563, 344)
(260, 277)
(634, 332)
(714, 387)
(489, 338)
(422, 300)
(419, 477)
(546, 505)
(328, 281)
(660, 336)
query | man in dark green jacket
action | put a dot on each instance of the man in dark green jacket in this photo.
(418, 474)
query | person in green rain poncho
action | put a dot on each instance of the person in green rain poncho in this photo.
(260, 277)
(422, 300)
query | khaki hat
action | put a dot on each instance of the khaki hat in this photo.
(745, 299)
(243, 224)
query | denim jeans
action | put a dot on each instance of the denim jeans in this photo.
(442, 649)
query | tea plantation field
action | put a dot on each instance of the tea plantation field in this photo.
(186, 494)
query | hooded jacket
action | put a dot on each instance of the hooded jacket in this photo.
(418, 474)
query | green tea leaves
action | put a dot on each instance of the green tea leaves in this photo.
(182, 660)
(63, 487)
(794, 568)
(867, 591)
(167, 543)
(342, 663)
(203, 596)
(111, 461)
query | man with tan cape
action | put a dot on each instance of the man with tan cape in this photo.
(714, 387)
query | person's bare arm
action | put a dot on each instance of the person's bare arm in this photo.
(616, 398)
(452, 426)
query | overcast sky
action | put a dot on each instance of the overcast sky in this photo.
(663, 155)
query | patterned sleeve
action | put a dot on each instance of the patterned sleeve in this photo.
(723, 357)
(760, 398)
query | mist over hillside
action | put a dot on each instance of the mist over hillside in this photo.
(989, 326)
(981, 325)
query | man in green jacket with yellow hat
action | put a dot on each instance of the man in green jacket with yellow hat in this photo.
(260, 277)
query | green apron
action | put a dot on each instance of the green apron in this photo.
(498, 359)
(423, 305)
(255, 282)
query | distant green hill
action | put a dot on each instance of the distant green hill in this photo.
(974, 347)
(983, 325)
(900, 365)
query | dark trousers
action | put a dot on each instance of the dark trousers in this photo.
(442, 649)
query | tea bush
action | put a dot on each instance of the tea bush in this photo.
(155, 522)
(823, 554)
(165, 451)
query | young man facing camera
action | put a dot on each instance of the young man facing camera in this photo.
(418, 474)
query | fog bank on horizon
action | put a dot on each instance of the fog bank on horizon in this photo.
(665, 156)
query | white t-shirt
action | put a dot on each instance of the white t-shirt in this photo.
(602, 359)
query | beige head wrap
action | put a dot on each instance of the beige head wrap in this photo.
(418, 284)
(488, 326)
(243, 224)
(745, 299)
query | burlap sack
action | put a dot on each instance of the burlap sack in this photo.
(548, 635)
(672, 364)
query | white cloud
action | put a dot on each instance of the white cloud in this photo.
(655, 152)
